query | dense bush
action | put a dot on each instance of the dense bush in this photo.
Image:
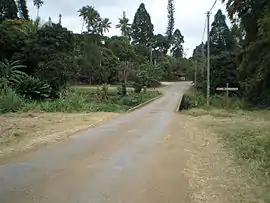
(33, 88)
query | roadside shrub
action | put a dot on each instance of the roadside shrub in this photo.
(68, 102)
(137, 87)
(128, 101)
(33, 88)
(194, 98)
(10, 101)
(103, 92)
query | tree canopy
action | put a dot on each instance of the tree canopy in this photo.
(142, 26)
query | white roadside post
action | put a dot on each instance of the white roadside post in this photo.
(227, 89)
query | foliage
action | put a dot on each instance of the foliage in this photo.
(91, 17)
(32, 88)
(160, 45)
(178, 41)
(94, 23)
(125, 68)
(10, 101)
(124, 26)
(223, 70)
(196, 99)
(171, 20)
(142, 26)
(121, 49)
(255, 73)
(220, 35)
(29, 28)
(8, 10)
(149, 75)
(56, 71)
(22, 8)
(249, 13)
(50, 53)
(10, 73)
(102, 92)
(11, 39)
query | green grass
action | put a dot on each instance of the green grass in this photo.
(246, 136)
(76, 101)
(196, 99)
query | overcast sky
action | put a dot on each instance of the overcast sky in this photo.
(189, 15)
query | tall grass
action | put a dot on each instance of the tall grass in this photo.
(10, 101)
(194, 98)
(74, 101)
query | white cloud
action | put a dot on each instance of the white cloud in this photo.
(189, 15)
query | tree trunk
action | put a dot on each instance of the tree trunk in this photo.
(124, 85)
(82, 27)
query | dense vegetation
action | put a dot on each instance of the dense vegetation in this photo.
(240, 55)
(40, 61)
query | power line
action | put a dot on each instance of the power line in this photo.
(213, 6)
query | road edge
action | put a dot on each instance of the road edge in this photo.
(179, 104)
(144, 104)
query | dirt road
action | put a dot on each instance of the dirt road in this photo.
(133, 158)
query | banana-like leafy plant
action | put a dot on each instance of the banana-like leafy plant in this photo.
(33, 88)
(10, 73)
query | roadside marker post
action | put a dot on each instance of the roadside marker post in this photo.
(227, 89)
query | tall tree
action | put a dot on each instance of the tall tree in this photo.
(160, 45)
(8, 10)
(171, 19)
(22, 8)
(104, 26)
(83, 14)
(220, 35)
(124, 26)
(38, 4)
(178, 40)
(142, 26)
(249, 13)
(91, 18)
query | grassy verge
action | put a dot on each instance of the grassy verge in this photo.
(24, 131)
(246, 136)
(193, 99)
(77, 100)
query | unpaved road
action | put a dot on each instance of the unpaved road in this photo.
(132, 158)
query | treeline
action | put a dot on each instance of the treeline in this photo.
(240, 55)
(39, 60)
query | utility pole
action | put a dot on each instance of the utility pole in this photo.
(195, 74)
(208, 59)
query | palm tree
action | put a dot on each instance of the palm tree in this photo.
(104, 26)
(90, 17)
(83, 12)
(124, 26)
(38, 4)
(10, 73)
